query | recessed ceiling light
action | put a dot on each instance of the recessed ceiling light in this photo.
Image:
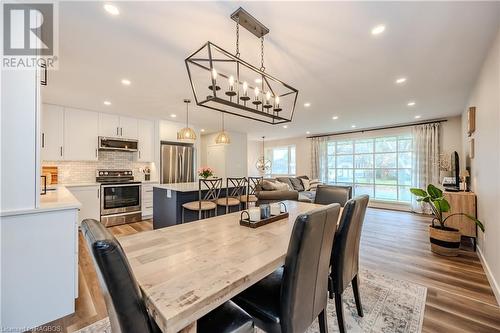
(307, 104)
(126, 82)
(411, 103)
(113, 10)
(285, 126)
(308, 132)
(418, 116)
(107, 103)
(335, 117)
(173, 115)
(378, 29)
(203, 130)
(353, 126)
(401, 80)
(258, 80)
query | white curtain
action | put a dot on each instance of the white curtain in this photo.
(426, 160)
(319, 163)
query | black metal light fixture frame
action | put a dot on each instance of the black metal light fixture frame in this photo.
(236, 102)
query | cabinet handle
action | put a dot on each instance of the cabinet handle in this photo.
(43, 81)
(60, 151)
(43, 140)
(149, 206)
(98, 193)
(117, 130)
(139, 154)
(96, 153)
(121, 131)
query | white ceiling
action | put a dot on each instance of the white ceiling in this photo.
(324, 49)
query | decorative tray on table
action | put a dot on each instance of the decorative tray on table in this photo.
(246, 222)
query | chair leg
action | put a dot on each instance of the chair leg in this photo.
(339, 308)
(330, 287)
(357, 298)
(323, 325)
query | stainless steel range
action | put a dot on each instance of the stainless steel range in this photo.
(120, 197)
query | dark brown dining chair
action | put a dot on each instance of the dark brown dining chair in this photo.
(328, 194)
(235, 188)
(345, 256)
(124, 300)
(293, 296)
(208, 194)
(250, 195)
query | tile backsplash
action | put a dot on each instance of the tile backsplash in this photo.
(85, 171)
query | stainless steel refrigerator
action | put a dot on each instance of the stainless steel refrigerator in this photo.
(177, 163)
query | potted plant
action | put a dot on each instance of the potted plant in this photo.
(444, 240)
(205, 172)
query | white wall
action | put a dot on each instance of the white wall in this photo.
(235, 152)
(485, 166)
(451, 136)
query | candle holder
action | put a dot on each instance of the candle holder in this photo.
(267, 106)
(211, 87)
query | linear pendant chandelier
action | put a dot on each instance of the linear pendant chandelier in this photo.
(224, 82)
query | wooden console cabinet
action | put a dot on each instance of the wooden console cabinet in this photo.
(462, 202)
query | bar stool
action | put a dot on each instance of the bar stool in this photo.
(250, 196)
(235, 188)
(206, 202)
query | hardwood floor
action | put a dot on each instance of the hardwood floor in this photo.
(459, 298)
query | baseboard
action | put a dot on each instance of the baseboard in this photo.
(491, 278)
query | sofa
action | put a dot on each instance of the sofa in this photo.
(284, 188)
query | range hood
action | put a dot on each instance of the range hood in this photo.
(106, 143)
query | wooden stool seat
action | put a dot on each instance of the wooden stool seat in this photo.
(250, 198)
(230, 202)
(195, 205)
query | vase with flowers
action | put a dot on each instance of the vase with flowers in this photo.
(205, 172)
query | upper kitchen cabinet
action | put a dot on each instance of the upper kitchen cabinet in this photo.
(115, 126)
(146, 138)
(81, 130)
(52, 132)
(128, 127)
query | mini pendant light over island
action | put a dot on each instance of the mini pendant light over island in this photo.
(222, 136)
(186, 133)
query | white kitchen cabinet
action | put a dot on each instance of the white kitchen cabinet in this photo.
(128, 127)
(52, 132)
(80, 135)
(147, 199)
(109, 125)
(146, 137)
(114, 126)
(89, 197)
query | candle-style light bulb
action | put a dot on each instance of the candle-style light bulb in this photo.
(268, 96)
(277, 100)
(231, 82)
(245, 88)
(256, 91)
(214, 74)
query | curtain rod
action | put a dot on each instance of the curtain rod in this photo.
(379, 128)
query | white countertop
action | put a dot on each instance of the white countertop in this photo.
(58, 199)
(179, 187)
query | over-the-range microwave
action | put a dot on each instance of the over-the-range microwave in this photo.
(107, 143)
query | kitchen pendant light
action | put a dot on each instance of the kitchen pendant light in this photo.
(186, 133)
(263, 164)
(222, 136)
(224, 82)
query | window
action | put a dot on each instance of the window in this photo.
(282, 159)
(380, 167)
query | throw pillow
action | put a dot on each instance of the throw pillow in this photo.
(303, 177)
(297, 184)
(281, 186)
(306, 183)
(285, 180)
(268, 185)
(314, 184)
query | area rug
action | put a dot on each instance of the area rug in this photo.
(389, 305)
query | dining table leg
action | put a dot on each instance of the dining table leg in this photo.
(191, 328)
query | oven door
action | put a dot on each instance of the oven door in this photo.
(120, 198)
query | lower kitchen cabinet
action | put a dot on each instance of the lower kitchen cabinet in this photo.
(89, 197)
(147, 199)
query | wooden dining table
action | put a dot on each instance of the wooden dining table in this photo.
(186, 271)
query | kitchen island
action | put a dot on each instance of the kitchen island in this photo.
(168, 200)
